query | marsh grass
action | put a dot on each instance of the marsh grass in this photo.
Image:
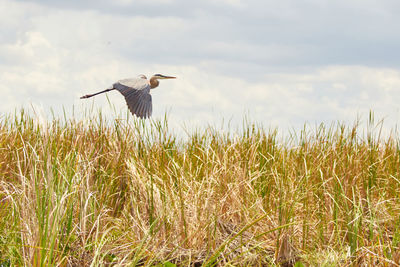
(98, 192)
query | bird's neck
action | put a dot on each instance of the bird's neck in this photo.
(154, 82)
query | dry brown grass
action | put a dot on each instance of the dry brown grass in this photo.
(131, 193)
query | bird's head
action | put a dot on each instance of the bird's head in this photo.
(160, 76)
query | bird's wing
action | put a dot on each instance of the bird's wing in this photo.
(137, 96)
(126, 85)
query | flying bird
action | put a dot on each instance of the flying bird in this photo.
(137, 93)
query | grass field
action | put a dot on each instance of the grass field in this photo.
(127, 193)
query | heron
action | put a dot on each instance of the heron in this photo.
(137, 93)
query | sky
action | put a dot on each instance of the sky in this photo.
(279, 63)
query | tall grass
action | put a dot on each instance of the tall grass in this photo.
(100, 192)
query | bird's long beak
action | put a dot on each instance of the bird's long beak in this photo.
(168, 77)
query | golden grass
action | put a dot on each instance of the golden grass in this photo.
(131, 193)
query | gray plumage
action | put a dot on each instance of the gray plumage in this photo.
(137, 93)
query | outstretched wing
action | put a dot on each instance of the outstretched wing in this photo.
(137, 95)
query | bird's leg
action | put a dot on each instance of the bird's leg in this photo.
(87, 96)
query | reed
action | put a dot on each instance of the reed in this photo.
(98, 192)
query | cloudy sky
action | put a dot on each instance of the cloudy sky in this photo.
(283, 63)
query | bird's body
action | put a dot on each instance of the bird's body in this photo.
(137, 93)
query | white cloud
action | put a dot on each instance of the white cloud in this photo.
(334, 93)
(151, 2)
(225, 68)
(233, 3)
